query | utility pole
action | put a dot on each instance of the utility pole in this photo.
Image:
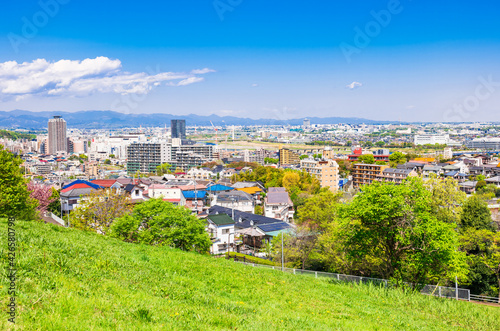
(282, 254)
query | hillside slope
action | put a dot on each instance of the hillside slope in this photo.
(73, 280)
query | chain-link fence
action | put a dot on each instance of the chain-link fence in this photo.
(434, 290)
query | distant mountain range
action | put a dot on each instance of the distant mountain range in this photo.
(95, 119)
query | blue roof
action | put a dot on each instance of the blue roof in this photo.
(219, 188)
(79, 181)
(191, 194)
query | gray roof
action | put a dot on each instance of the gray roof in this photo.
(397, 171)
(77, 192)
(278, 195)
(429, 167)
(238, 195)
(468, 184)
(495, 179)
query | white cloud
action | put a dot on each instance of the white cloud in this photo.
(354, 85)
(79, 78)
(255, 85)
(202, 71)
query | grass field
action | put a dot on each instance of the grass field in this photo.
(73, 280)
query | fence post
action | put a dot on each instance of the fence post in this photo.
(316, 274)
(294, 271)
(338, 277)
(440, 291)
(385, 281)
(360, 280)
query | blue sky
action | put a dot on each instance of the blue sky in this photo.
(263, 59)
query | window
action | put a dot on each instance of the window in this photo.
(225, 231)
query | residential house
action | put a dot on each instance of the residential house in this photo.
(468, 187)
(72, 193)
(278, 205)
(236, 200)
(135, 193)
(195, 200)
(222, 233)
(428, 170)
(171, 194)
(248, 226)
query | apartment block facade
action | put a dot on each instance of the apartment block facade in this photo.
(363, 174)
(326, 171)
(288, 157)
(145, 157)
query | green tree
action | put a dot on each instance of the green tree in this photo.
(397, 158)
(366, 158)
(291, 180)
(97, 211)
(163, 169)
(298, 246)
(319, 209)
(368, 144)
(107, 161)
(393, 228)
(380, 143)
(475, 214)
(15, 198)
(446, 198)
(269, 160)
(483, 248)
(55, 206)
(481, 184)
(158, 222)
(303, 156)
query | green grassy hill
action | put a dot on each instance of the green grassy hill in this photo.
(73, 280)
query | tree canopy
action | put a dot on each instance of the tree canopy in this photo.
(394, 228)
(366, 158)
(160, 223)
(476, 214)
(97, 211)
(15, 200)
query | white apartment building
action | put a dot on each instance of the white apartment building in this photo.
(424, 139)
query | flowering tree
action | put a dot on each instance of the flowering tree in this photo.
(97, 211)
(42, 194)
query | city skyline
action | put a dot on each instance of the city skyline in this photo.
(386, 60)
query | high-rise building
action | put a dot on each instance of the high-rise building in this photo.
(287, 157)
(306, 123)
(178, 128)
(57, 135)
(146, 157)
